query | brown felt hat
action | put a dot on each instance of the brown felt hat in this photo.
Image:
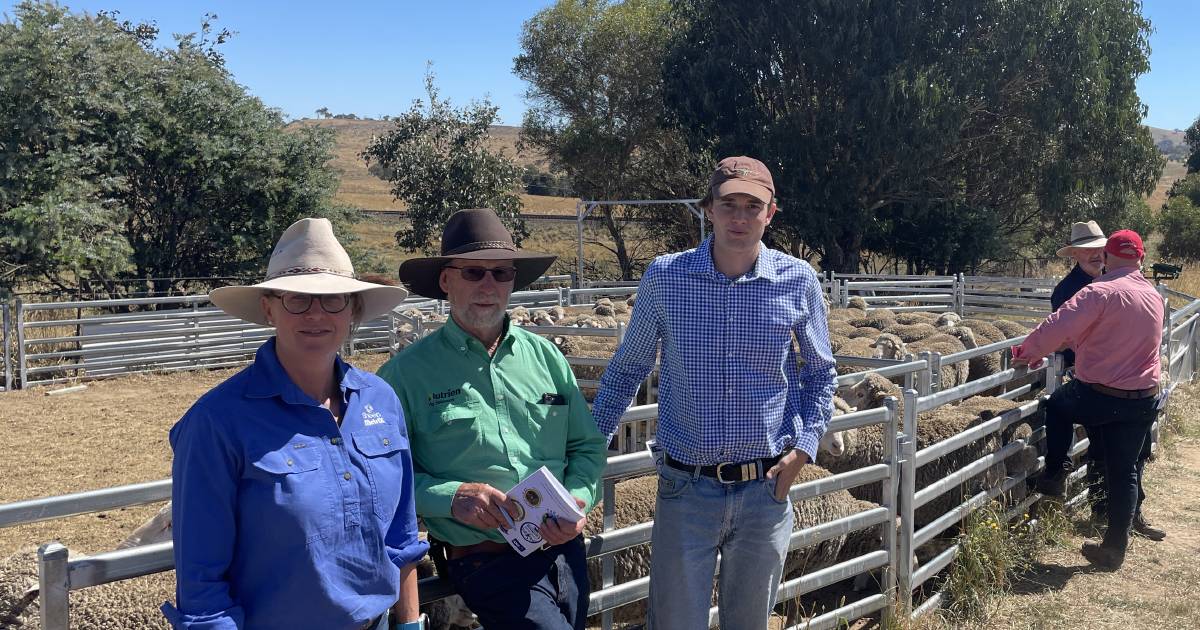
(742, 174)
(475, 234)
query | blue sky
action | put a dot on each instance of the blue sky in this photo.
(369, 58)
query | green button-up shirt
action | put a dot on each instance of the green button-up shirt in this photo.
(491, 419)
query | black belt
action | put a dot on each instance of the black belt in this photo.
(1128, 394)
(729, 472)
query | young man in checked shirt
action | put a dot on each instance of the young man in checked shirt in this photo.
(739, 412)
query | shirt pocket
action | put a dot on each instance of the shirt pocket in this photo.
(384, 463)
(287, 488)
(548, 430)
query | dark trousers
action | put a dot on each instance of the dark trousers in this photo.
(1097, 487)
(1126, 425)
(546, 590)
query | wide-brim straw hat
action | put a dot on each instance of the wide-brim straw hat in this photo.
(475, 234)
(1084, 236)
(308, 259)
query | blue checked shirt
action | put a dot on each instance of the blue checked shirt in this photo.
(731, 388)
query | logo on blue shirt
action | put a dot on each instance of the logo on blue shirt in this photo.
(371, 417)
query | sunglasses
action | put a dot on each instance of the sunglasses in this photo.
(299, 303)
(475, 274)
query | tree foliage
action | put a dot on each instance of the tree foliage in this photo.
(438, 161)
(121, 160)
(1192, 138)
(596, 110)
(1179, 220)
(941, 133)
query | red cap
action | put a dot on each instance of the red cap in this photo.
(1125, 244)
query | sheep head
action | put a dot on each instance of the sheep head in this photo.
(858, 303)
(948, 319)
(966, 336)
(871, 392)
(889, 346)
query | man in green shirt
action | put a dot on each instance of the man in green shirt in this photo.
(486, 404)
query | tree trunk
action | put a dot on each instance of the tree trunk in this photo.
(618, 238)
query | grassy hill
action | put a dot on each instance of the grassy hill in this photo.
(360, 189)
(1174, 135)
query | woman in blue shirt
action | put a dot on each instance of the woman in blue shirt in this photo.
(292, 481)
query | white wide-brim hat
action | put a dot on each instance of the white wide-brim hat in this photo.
(1084, 236)
(308, 259)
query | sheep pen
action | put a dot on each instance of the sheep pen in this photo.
(114, 433)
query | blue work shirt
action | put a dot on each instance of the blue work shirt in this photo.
(281, 518)
(1064, 291)
(731, 386)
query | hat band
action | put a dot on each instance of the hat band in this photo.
(477, 245)
(298, 271)
(1081, 239)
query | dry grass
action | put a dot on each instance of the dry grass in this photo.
(1172, 172)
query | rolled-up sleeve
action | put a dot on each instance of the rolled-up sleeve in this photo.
(404, 547)
(811, 387)
(204, 494)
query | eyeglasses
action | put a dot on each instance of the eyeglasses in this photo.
(299, 303)
(475, 274)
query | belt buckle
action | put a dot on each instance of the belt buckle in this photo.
(749, 472)
(720, 474)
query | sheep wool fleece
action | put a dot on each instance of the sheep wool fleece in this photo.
(747, 373)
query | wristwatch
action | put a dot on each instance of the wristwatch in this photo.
(421, 623)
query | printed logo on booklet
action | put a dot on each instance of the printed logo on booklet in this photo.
(539, 498)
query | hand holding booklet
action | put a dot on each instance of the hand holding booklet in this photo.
(539, 498)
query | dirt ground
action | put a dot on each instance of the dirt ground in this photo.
(115, 432)
(1156, 587)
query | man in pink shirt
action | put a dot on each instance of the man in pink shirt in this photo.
(1115, 326)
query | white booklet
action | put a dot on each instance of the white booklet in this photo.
(539, 498)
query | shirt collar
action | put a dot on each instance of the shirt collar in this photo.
(1120, 272)
(765, 266)
(461, 341)
(268, 378)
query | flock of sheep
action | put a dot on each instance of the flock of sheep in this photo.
(855, 332)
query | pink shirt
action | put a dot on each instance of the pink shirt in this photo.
(1114, 325)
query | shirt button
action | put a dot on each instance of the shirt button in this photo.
(290, 462)
(346, 476)
(499, 396)
(462, 348)
(386, 441)
(335, 440)
(729, 391)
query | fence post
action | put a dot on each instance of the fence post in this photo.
(608, 572)
(935, 372)
(891, 486)
(960, 290)
(23, 368)
(908, 489)
(1054, 373)
(564, 296)
(924, 376)
(844, 293)
(54, 586)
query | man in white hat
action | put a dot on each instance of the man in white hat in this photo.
(292, 480)
(1087, 249)
(487, 404)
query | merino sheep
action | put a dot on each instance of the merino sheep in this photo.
(1010, 328)
(865, 331)
(542, 318)
(845, 314)
(985, 332)
(556, 312)
(519, 315)
(889, 346)
(915, 317)
(857, 302)
(911, 332)
(840, 327)
(880, 319)
(859, 347)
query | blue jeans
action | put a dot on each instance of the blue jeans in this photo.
(696, 517)
(546, 590)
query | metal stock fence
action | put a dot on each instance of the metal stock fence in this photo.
(900, 585)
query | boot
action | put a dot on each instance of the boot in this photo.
(1143, 528)
(1053, 482)
(1103, 557)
